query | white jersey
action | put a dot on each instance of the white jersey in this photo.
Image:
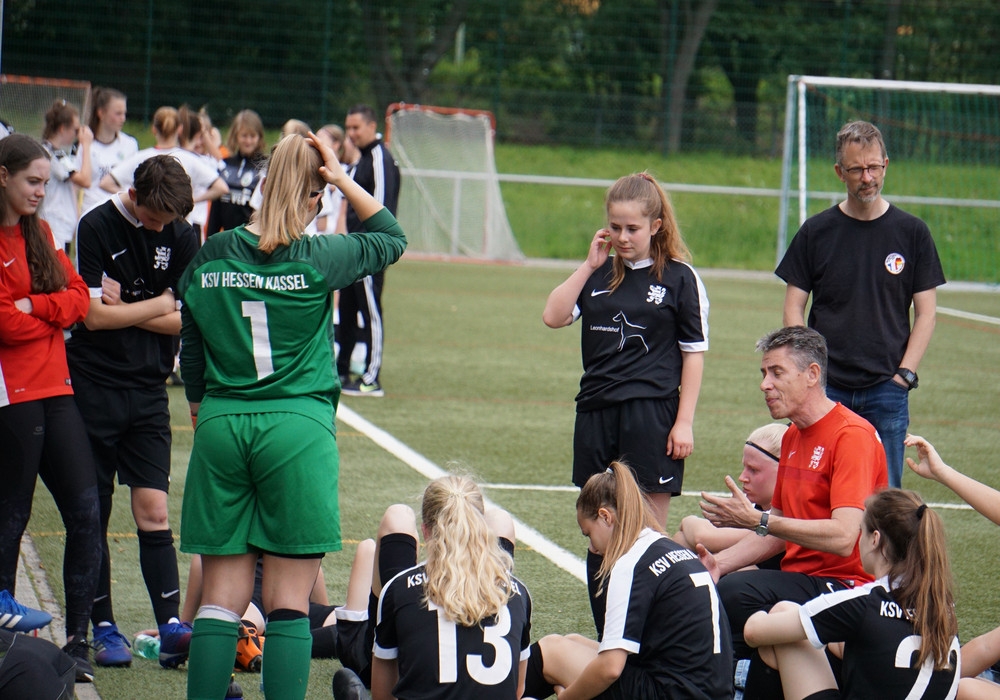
(326, 211)
(59, 206)
(201, 173)
(104, 157)
(199, 215)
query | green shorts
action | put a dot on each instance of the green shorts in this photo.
(262, 481)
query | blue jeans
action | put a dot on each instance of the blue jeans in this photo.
(885, 406)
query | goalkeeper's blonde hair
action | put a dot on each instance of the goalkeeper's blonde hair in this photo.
(292, 177)
(468, 574)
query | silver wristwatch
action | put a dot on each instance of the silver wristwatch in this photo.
(761, 529)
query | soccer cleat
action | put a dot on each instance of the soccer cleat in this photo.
(360, 387)
(234, 690)
(20, 618)
(79, 650)
(249, 649)
(111, 648)
(347, 686)
(175, 641)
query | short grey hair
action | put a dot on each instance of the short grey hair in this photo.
(864, 133)
(805, 345)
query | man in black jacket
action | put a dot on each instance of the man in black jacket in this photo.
(378, 173)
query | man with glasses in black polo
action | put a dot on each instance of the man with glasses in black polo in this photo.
(865, 261)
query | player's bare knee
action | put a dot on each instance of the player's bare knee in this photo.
(365, 550)
(398, 518)
(501, 523)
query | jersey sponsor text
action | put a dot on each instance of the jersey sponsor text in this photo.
(663, 563)
(250, 280)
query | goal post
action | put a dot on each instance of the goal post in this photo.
(24, 100)
(450, 201)
(943, 144)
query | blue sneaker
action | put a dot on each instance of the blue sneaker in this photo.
(111, 648)
(19, 618)
(175, 640)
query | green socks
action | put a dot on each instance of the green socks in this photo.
(287, 655)
(210, 664)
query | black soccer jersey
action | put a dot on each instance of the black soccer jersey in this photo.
(439, 659)
(378, 173)
(111, 242)
(664, 610)
(632, 338)
(880, 645)
(233, 209)
(862, 276)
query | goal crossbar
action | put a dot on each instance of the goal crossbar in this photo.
(796, 141)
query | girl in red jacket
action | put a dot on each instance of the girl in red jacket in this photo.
(40, 428)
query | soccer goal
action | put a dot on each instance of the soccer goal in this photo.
(449, 201)
(25, 100)
(943, 143)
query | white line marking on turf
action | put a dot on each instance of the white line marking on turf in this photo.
(562, 558)
(969, 316)
(525, 533)
(689, 494)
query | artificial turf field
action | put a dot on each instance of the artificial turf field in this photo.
(474, 381)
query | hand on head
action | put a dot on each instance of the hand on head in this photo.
(331, 170)
(599, 248)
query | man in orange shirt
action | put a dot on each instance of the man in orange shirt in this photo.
(831, 461)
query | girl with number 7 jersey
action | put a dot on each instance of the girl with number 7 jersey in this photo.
(257, 365)
(661, 628)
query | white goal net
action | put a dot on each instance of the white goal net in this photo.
(943, 143)
(449, 200)
(25, 100)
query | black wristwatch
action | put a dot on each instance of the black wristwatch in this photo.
(762, 528)
(909, 376)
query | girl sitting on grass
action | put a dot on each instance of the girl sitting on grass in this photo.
(897, 634)
(663, 633)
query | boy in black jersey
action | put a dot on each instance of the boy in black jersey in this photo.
(131, 252)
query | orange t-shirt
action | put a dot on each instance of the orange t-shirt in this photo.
(835, 463)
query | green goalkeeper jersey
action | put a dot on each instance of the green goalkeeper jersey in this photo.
(255, 325)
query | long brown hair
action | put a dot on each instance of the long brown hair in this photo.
(913, 542)
(246, 120)
(17, 152)
(101, 97)
(60, 114)
(617, 490)
(666, 242)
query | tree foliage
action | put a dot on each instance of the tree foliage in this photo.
(666, 74)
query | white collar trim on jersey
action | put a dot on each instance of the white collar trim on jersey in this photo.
(123, 211)
(648, 262)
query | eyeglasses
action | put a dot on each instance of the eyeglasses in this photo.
(873, 170)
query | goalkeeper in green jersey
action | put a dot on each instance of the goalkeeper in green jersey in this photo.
(258, 375)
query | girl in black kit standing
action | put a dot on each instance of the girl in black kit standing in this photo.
(645, 332)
